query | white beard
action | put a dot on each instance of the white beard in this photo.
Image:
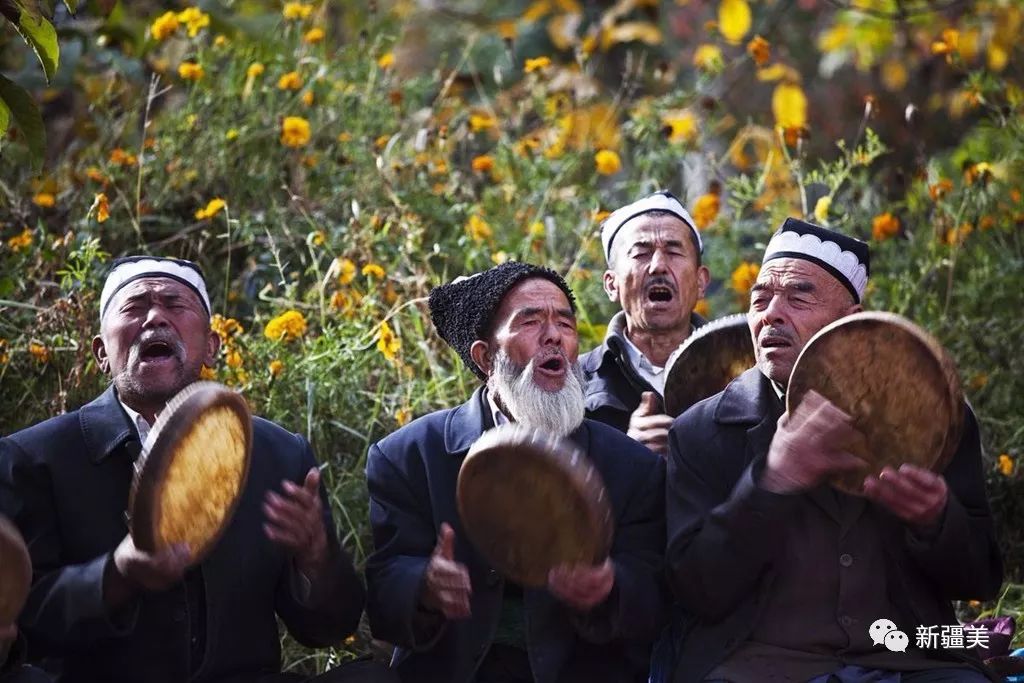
(554, 412)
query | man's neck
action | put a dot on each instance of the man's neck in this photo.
(658, 346)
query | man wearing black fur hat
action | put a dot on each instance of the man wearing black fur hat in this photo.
(452, 617)
(786, 578)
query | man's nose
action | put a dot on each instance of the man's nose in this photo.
(156, 316)
(774, 312)
(552, 333)
(659, 262)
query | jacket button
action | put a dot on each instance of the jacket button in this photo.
(846, 560)
(846, 621)
(493, 578)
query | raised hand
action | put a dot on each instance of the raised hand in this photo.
(915, 495)
(810, 446)
(294, 518)
(581, 586)
(446, 588)
(133, 570)
(649, 425)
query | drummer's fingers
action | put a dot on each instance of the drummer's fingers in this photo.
(445, 542)
(925, 479)
(308, 498)
(312, 482)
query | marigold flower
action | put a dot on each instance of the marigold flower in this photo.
(39, 352)
(255, 69)
(122, 158)
(221, 40)
(821, 208)
(373, 270)
(102, 206)
(5, 357)
(388, 342)
(940, 189)
(957, 236)
(744, 277)
(288, 326)
(708, 57)
(346, 270)
(607, 162)
(599, 216)
(194, 19)
(208, 374)
(44, 200)
(681, 128)
(96, 175)
(314, 35)
(760, 50)
(479, 122)
(402, 416)
(276, 367)
(386, 60)
(290, 81)
(213, 207)
(536, 64)
(226, 328)
(884, 226)
(1005, 464)
(478, 229)
(232, 357)
(308, 98)
(20, 241)
(190, 71)
(483, 163)
(702, 308)
(705, 209)
(164, 26)
(339, 300)
(296, 11)
(294, 131)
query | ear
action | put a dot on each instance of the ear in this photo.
(703, 278)
(611, 285)
(480, 353)
(212, 348)
(854, 308)
(99, 352)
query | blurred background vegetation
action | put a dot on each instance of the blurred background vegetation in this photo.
(329, 162)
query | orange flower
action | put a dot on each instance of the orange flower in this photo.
(44, 200)
(276, 367)
(702, 308)
(940, 189)
(190, 71)
(1005, 465)
(744, 277)
(290, 81)
(760, 50)
(607, 162)
(884, 226)
(314, 35)
(39, 352)
(122, 158)
(705, 209)
(483, 163)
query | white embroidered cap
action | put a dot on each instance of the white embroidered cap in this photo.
(847, 259)
(131, 268)
(659, 201)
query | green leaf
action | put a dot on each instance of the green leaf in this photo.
(15, 101)
(39, 33)
(72, 5)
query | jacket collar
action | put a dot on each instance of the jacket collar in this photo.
(614, 344)
(105, 425)
(465, 424)
(748, 399)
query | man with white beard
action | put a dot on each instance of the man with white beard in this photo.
(451, 616)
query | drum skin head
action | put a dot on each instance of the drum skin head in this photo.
(897, 383)
(530, 502)
(15, 572)
(711, 357)
(192, 470)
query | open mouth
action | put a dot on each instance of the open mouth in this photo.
(155, 351)
(552, 367)
(659, 294)
(771, 342)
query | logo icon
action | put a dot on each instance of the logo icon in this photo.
(879, 630)
(896, 641)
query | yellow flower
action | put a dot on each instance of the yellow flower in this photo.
(213, 207)
(402, 416)
(231, 134)
(276, 367)
(346, 270)
(479, 122)
(39, 352)
(373, 270)
(386, 60)
(190, 71)
(682, 127)
(708, 57)
(607, 162)
(294, 131)
(208, 374)
(286, 327)
(744, 277)
(388, 343)
(255, 69)
(734, 19)
(957, 236)
(5, 357)
(1005, 464)
(296, 10)
(317, 238)
(821, 208)
(705, 209)
(308, 98)
(122, 158)
(290, 81)
(702, 308)
(340, 301)
(940, 189)
(195, 19)
(96, 175)
(314, 35)
(478, 229)
(221, 40)
(20, 241)
(789, 105)
(760, 50)
(164, 26)
(232, 357)
(226, 328)
(44, 200)
(483, 163)
(599, 216)
(536, 64)
(102, 205)
(884, 226)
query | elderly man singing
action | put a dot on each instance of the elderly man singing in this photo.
(656, 276)
(784, 576)
(453, 618)
(101, 609)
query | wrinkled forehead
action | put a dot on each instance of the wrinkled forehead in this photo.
(532, 293)
(155, 288)
(788, 272)
(657, 230)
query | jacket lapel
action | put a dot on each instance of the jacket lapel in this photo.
(105, 426)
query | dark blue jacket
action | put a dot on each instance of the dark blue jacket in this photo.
(412, 475)
(65, 483)
(723, 530)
